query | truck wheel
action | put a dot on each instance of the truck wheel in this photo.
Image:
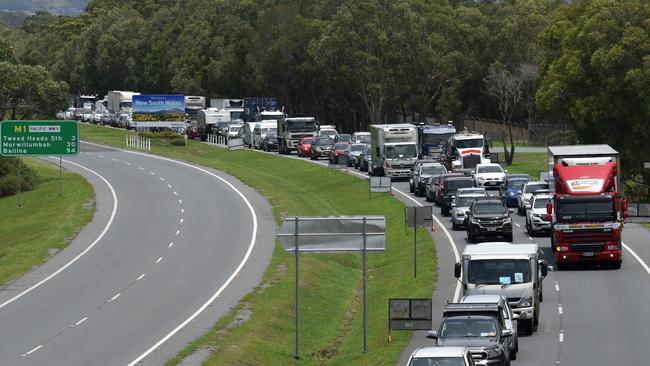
(560, 266)
(617, 265)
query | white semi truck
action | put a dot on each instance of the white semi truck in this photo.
(394, 149)
(514, 271)
(120, 101)
(291, 129)
(465, 150)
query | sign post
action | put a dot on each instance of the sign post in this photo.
(415, 217)
(39, 138)
(333, 234)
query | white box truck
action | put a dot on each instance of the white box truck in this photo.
(394, 149)
(291, 129)
(120, 101)
(209, 119)
(514, 271)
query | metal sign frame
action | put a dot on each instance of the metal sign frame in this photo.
(378, 184)
(417, 216)
(295, 221)
(410, 322)
(235, 144)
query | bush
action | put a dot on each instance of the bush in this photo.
(9, 176)
(178, 142)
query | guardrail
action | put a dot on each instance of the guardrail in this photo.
(138, 142)
(638, 209)
(217, 141)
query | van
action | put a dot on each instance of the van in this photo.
(261, 130)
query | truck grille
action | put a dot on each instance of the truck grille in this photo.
(587, 235)
(478, 355)
(470, 161)
(587, 247)
(490, 223)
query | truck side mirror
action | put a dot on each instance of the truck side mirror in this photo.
(457, 268)
(549, 208)
(543, 268)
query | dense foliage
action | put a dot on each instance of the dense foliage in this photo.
(9, 176)
(354, 62)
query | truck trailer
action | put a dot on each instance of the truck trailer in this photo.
(394, 149)
(587, 210)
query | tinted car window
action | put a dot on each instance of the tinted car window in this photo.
(489, 208)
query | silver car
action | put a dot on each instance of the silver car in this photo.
(459, 205)
(536, 221)
(526, 193)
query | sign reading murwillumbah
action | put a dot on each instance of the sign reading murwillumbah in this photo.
(34, 138)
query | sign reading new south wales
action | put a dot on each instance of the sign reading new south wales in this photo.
(23, 138)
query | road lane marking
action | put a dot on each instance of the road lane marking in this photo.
(169, 185)
(92, 245)
(171, 244)
(162, 179)
(178, 232)
(141, 168)
(113, 159)
(100, 156)
(127, 163)
(180, 201)
(557, 287)
(33, 350)
(182, 210)
(232, 276)
(158, 260)
(115, 297)
(152, 173)
(175, 193)
(559, 309)
(517, 225)
(643, 264)
(181, 221)
(141, 277)
(81, 321)
(561, 337)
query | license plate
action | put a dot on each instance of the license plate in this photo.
(588, 254)
(492, 229)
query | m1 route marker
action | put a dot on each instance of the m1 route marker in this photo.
(39, 138)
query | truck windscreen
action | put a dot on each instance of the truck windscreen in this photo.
(301, 126)
(464, 144)
(587, 209)
(400, 151)
(498, 271)
(435, 138)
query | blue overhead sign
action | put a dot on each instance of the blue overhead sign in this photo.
(158, 108)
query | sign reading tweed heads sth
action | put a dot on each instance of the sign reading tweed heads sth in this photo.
(153, 110)
(34, 138)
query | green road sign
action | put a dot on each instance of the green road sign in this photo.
(24, 138)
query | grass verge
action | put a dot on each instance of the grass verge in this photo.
(647, 226)
(260, 330)
(529, 163)
(46, 223)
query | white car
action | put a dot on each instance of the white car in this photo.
(527, 192)
(471, 190)
(328, 132)
(536, 214)
(489, 175)
(459, 205)
(441, 356)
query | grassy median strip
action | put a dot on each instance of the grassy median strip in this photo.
(528, 163)
(46, 223)
(260, 331)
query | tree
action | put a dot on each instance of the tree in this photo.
(596, 75)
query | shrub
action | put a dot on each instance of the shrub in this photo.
(178, 142)
(9, 176)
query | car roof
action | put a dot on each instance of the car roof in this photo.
(471, 195)
(446, 351)
(487, 298)
(488, 164)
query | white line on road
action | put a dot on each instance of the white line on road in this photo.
(517, 225)
(141, 277)
(180, 201)
(127, 163)
(162, 179)
(643, 264)
(115, 297)
(100, 156)
(171, 244)
(81, 321)
(232, 276)
(182, 210)
(557, 287)
(559, 309)
(181, 221)
(169, 185)
(178, 232)
(101, 235)
(175, 193)
(113, 159)
(33, 350)
(561, 337)
(158, 260)
(152, 173)
(141, 168)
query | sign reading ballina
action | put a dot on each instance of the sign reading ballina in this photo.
(25, 138)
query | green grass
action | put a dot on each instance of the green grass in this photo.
(330, 285)
(529, 163)
(46, 223)
(647, 226)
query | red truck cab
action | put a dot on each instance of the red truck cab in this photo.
(587, 210)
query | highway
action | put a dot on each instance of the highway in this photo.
(171, 249)
(590, 315)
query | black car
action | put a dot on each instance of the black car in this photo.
(481, 334)
(488, 217)
(270, 143)
(451, 185)
(321, 147)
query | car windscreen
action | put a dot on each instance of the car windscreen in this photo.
(453, 185)
(437, 361)
(530, 188)
(464, 201)
(357, 147)
(464, 327)
(268, 130)
(307, 141)
(490, 207)
(516, 183)
(328, 132)
(541, 202)
(436, 169)
(344, 138)
(342, 146)
(490, 169)
(586, 210)
(323, 141)
(498, 271)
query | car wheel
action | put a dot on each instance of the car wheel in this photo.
(528, 327)
(453, 225)
(509, 237)
(513, 354)
(427, 197)
(616, 265)
(411, 187)
(471, 238)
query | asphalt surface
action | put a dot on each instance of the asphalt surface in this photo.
(176, 250)
(591, 315)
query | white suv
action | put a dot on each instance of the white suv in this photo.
(489, 175)
(536, 214)
(444, 355)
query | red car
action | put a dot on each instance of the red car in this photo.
(340, 150)
(304, 147)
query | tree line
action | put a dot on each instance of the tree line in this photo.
(355, 62)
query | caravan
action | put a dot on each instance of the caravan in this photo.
(261, 130)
